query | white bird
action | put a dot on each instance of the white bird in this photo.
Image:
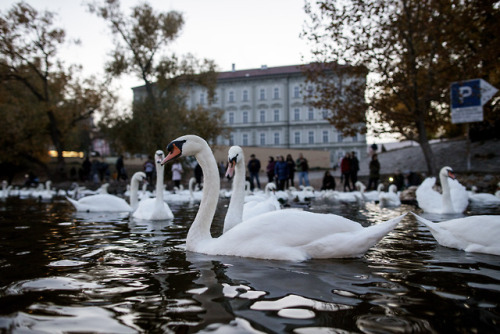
(482, 198)
(4, 193)
(453, 200)
(108, 202)
(155, 208)
(238, 210)
(390, 198)
(373, 195)
(478, 234)
(281, 235)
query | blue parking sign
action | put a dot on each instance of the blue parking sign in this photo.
(466, 94)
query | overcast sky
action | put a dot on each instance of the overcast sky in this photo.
(245, 33)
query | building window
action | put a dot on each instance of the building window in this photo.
(245, 117)
(262, 94)
(355, 138)
(310, 114)
(340, 138)
(276, 115)
(311, 137)
(231, 140)
(245, 95)
(202, 98)
(231, 118)
(276, 138)
(325, 137)
(296, 114)
(296, 92)
(231, 96)
(297, 137)
(276, 93)
(263, 138)
(310, 91)
(245, 139)
(262, 116)
(324, 113)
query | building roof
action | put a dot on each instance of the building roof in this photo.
(263, 71)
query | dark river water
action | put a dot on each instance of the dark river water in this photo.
(68, 272)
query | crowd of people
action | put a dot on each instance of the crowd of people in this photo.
(279, 170)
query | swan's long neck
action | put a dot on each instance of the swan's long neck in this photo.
(200, 229)
(234, 214)
(159, 183)
(447, 204)
(134, 189)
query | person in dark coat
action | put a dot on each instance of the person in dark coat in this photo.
(270, 169)
(328, 181)
(254, 169)
(345, 169)
(374, 173)
(291, 171)
(353, 169)
(121, 173)
(281, 172)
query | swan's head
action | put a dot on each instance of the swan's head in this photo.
(184, 146)
(234, 156)
(393, 188)
(359, 185)
(159, 156)
(139, 176)
(447, 172)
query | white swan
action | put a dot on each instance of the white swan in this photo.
(108, 202)
(482, 198)
(453, 200)
(478, 234)
(281, 235)
(238, 210)
(389, 198)
(155, 208)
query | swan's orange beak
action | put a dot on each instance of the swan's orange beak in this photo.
(451, 175)
(230, 168)
(175, 152)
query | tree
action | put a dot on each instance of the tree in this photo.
(413, 50)
(58, 98)
(141, 44)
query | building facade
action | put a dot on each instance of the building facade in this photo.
(265, 107)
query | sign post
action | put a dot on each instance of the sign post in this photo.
(467, 101)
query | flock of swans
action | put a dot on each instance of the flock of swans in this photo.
(257, 226)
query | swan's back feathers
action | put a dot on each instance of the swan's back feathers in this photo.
(100, 203)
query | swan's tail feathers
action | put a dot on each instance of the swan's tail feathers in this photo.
(72, 201)
(424, 221)
(350, 244)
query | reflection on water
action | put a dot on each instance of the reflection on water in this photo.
(62, 271)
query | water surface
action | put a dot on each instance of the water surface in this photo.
(62, 271)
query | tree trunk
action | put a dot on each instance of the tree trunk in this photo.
(426, 149)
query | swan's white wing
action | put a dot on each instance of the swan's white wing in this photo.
(100, 203)
(428, 199)
(290, 235)
(459, 195)
(479, 234)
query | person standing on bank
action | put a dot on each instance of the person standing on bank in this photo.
(254, 169)
(303, 170)
(177, 174)
(345, 169)
(281, 172)
(353, 169)
(291, 171)
(270, 170)
(121, 173)
(374, 173)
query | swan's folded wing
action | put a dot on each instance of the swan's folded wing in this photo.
(427, 197)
